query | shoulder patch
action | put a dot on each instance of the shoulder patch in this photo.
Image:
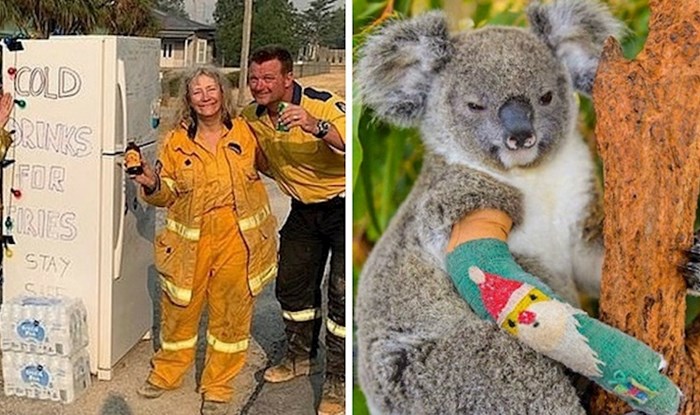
(315, 94)
(235, 147)
(341, 106)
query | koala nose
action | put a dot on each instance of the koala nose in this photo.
(525, 141)
(516, 117)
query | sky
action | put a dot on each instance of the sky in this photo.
(202, 10)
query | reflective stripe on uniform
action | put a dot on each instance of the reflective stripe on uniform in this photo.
(221, 346)
(259, 281)
(302, 315)
(174, 291)
(335, 328)
(178, 345)
(255, 220)
(188, 233)
(170, 183)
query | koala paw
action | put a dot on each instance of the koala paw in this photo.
(691, 270)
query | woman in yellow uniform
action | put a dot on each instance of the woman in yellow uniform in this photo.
(219, 242)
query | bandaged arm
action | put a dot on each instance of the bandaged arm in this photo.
(498, 289)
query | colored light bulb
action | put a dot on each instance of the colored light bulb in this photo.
(11, 71)
(8, 252)
(16, 193)
(8, 223)
(21, 103)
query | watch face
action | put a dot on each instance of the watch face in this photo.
(323, 128)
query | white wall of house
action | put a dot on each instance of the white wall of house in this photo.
(181, 53)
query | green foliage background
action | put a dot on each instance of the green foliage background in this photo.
(278, 22)
(176, 7)
(39, 19)
(387, 160)
(274, 21)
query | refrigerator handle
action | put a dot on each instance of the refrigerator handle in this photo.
(121, 83)
(117, 250)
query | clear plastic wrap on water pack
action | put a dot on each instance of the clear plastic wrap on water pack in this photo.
(43, 325)
(46, 377)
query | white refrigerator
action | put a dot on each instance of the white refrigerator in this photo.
(78, 226)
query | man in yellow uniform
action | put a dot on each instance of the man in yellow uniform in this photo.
(301, 132)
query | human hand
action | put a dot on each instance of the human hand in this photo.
(296, 116)
(147, 178)
(6, 103)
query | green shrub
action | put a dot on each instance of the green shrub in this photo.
(233, 78)
(170, 83)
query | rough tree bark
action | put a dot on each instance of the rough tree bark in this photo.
(648, 127)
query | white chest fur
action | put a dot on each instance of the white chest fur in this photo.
(556, 197)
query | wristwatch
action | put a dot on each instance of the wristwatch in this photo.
(323, 127)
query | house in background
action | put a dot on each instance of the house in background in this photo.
(316, 53)
(184, 42)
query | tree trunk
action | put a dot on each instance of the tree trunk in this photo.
(648, 122)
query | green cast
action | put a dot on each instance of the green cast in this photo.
(627, 367)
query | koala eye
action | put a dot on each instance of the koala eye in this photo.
(475, 107)
(546, 98)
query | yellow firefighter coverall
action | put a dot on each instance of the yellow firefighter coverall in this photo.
(218, 247)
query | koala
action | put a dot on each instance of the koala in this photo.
(497, 113)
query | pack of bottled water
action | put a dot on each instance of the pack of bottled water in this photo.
(43, 342)
(37, 376)
(44, 325)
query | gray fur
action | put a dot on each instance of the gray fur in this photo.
(487, 72)
(421, 350)
(575, 30)
(397, 67)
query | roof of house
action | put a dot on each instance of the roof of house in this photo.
(180, 27)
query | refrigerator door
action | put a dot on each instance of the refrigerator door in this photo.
(128, 225)
(127, 267)
(78, 227)
(136, 74)
(57, 153)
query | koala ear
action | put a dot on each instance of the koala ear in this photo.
(576, 31)
(398, 64)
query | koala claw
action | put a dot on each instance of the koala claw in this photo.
(691, 270)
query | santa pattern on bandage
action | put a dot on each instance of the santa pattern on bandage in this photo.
(543, 323)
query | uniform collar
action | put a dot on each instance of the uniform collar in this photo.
(296, 99)
(180, 141)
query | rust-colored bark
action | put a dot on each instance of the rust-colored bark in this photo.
(648, 127)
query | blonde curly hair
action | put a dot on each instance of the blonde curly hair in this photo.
(185, 116)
